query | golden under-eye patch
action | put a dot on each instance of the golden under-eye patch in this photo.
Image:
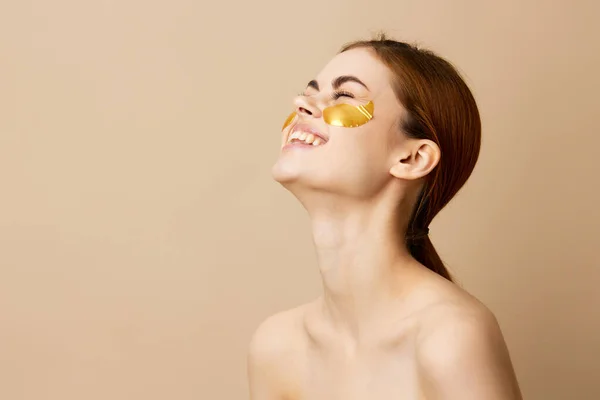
(348, 116)
(289, 120)
(344, 115)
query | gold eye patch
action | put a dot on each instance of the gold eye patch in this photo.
(289, 120)
(344, 115)
(348, 116)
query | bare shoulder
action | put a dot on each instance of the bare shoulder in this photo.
(276, 343)
(461, 349)
(277, 334)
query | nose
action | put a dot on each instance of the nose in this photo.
(307, 106)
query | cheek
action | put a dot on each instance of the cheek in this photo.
(358, 168)
(364, 150)
(370, 141)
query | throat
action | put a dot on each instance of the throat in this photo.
(364, 275)
(365, 266)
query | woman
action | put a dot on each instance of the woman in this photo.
(378, 144)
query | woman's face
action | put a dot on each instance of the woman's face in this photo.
(355, 160)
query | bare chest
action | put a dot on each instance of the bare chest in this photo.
(367, 375)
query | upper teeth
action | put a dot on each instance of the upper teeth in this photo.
(306, 137)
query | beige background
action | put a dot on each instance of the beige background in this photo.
(142, 238)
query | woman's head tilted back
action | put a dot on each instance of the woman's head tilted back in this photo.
(384, 125)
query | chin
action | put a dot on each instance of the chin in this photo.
(300, 182)
(289, 169)
(291, 176)
(302, 175)
(283, 172)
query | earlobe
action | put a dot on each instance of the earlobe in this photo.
(417, 160)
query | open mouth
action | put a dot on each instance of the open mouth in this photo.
(305, 136)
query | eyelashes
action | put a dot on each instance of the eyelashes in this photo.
(340, 93)
(335, 95)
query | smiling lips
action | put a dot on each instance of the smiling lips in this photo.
(304, 134)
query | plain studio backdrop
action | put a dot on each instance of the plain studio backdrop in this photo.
(142, 239)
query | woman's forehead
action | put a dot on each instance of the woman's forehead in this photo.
(361, 63)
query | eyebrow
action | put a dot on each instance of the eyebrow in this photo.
(337, 82)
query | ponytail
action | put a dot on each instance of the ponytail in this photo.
(417, 239)
(423, 251)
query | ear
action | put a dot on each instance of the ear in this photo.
(417, 158)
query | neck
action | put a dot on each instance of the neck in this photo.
(363, 262)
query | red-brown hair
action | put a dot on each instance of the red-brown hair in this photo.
(439, 107)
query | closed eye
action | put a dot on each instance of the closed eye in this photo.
(341, 93)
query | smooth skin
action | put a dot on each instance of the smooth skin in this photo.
(386, 327)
